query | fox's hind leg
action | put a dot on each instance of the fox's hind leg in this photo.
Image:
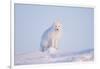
(42, 49)
(44, 46)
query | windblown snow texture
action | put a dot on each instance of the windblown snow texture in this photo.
(45, 57)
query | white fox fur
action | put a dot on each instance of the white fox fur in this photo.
(51, 37)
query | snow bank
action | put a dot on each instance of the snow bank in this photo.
(52, 56)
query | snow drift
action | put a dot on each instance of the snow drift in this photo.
(45, 57)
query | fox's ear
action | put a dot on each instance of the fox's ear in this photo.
(58, 20)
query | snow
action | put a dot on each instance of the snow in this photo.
(52, 51)
(52, 56)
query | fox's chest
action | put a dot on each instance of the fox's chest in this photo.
(55, 35)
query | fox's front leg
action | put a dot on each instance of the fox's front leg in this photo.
(56, 44)
(53, 43)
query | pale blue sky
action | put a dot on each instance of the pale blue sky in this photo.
(32, 20)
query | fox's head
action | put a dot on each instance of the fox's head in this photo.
(57, 25)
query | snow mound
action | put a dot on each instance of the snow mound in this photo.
(52, 56)
(52, 51)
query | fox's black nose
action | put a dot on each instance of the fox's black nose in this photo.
(57, 29)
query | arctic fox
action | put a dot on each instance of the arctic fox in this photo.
(50, 38)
